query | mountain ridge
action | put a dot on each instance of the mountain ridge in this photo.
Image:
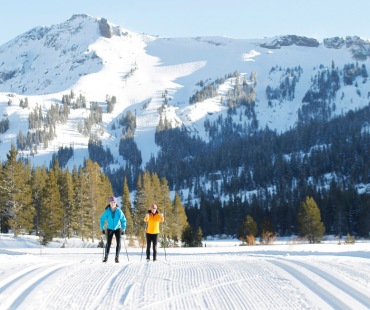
(95, 58)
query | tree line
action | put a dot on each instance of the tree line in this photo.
(268, 175)
(58, 203)
(309, 226)
(264, 173)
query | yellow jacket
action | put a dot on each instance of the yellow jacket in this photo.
(153, 223)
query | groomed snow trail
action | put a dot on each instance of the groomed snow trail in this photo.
(219, 280)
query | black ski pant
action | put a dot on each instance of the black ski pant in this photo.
(151, 238)
(117, 234)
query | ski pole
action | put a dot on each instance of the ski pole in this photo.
(101, 239)
(104, 245)
(164, 242)
(164, 247)
(142, 248)
(124, 243)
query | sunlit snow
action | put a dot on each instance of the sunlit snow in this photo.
(220, 275)
(138, 70)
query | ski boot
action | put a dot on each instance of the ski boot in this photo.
(116, 259)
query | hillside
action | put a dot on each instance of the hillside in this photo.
(216, 116)
(47, 62)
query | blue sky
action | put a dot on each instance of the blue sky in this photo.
(187, 18)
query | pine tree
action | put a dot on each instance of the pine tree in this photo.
(179, 219)
(187, 236)
(248, 230)
(94, 198)
(74, 215)
(309, 223)
(126, 208)
(15, 194)
(51, 210)
(106, 190)
(59, 174)
(39, 178)
(81, 203)
(198, 238)
(151, 190)
(165, 205)
(66, 196)
(143, 199)
(191, 239)
(155, 184)
(3, 214)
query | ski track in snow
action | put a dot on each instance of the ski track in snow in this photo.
(17, 287)
(218, 281)
(331, 288)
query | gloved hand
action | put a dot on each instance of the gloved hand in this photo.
(103, 232)
(123, 232)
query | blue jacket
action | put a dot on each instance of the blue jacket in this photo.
(115, 219)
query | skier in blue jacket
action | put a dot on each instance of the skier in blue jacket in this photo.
(116, 225)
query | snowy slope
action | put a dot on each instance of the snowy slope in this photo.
(48, 62)
(222, 275)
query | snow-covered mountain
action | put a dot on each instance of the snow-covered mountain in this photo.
(96, 59)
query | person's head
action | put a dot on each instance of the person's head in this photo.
(153, 208)
(113, 202)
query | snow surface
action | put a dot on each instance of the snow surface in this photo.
(220, 275)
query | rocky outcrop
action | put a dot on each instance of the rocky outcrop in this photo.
(359, 48)
(335, 42)
(105, 28)
(290, 40)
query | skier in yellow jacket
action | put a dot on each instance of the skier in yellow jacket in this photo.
(153, 218)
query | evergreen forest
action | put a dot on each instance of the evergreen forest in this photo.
(239, 171)
(58, 203)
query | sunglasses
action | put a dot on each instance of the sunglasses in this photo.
(153, 208)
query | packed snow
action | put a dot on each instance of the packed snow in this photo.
(220, 275)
